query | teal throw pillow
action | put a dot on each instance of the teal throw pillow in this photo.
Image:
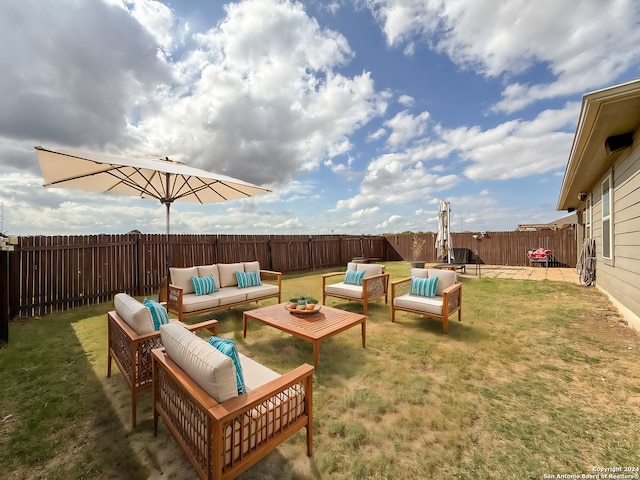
(423, 287)
(228, 347)
(248, 279)
(204, 285)
(354, 278)
(158, 313)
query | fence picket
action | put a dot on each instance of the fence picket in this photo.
(61, 272)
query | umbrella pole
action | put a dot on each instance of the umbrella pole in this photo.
(448, 235)
(168, 256)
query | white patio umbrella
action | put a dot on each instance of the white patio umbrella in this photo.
(165, 180)
(443, 238)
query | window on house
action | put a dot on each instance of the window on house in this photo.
(606, 218)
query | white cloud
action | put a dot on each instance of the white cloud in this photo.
(168, 30)
(394, 179)
(379, 133)
(264, 93)
(405, 127)
(515, 149)
(289, 224)
(406, 100)
(573, 39)
(390, 224)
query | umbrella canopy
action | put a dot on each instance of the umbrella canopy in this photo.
(443, 238)
(163, 179)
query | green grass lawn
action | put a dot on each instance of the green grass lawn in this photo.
(539, 378)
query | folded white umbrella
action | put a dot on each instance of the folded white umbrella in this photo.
(163, 179)
(443, 238)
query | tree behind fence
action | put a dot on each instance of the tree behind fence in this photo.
(46, 274)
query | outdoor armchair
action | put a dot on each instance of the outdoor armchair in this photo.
(440, 304)
(132, 350)
(362, 282)
(222, 431)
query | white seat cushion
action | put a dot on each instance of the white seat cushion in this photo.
(431, 305)
(193, 302)
(137, 316)
(228, 295)
(211, 369)
(260, 291)
(345, 290)
(255, 374)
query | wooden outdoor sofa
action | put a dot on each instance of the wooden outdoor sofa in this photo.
(130, 339)
(183, 300)
(225, 436)
(446, 301)
(373, 284)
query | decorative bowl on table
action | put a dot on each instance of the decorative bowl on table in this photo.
(303, 306)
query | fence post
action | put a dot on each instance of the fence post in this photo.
(7, 246)
(4, 298)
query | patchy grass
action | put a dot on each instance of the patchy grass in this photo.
(539, 378)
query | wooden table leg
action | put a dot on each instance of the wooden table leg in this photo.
(364, 333)
(316, 352)
(244, 325)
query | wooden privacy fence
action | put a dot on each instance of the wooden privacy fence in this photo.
(46, 274)
(495, 248)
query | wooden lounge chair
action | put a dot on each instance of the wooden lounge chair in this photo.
(132, 350)
(222, 432)
(374, 283)
(446, 301)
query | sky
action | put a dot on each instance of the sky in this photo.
(358, 115)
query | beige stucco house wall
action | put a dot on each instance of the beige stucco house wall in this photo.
(602, 184)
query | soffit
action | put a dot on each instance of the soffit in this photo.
(612, 111)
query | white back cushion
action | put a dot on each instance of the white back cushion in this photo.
(181, 277)
(205, 270)
(134, 313)
(228, 273)
(370, 269)
(446, 278)
(420, 272)
(251, 266)
(211, 369)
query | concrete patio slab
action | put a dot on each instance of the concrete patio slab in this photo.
(556, 274)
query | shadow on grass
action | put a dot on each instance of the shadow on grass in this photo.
(57, 420)
(62, 417)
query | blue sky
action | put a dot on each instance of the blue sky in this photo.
(359, 115)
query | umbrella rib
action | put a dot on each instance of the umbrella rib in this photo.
(126, 180)
(206, 185)
(78, 177)
(169, 188)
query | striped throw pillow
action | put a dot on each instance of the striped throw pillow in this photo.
(351, 277)
(159, 314)
(228, 347)
(423, 287)
(248, 279)
(204, 285)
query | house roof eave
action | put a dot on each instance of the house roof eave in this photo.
(610, 111)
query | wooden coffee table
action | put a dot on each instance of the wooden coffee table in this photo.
(313, 328)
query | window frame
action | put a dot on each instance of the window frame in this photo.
(607, 219)
(588, 218)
